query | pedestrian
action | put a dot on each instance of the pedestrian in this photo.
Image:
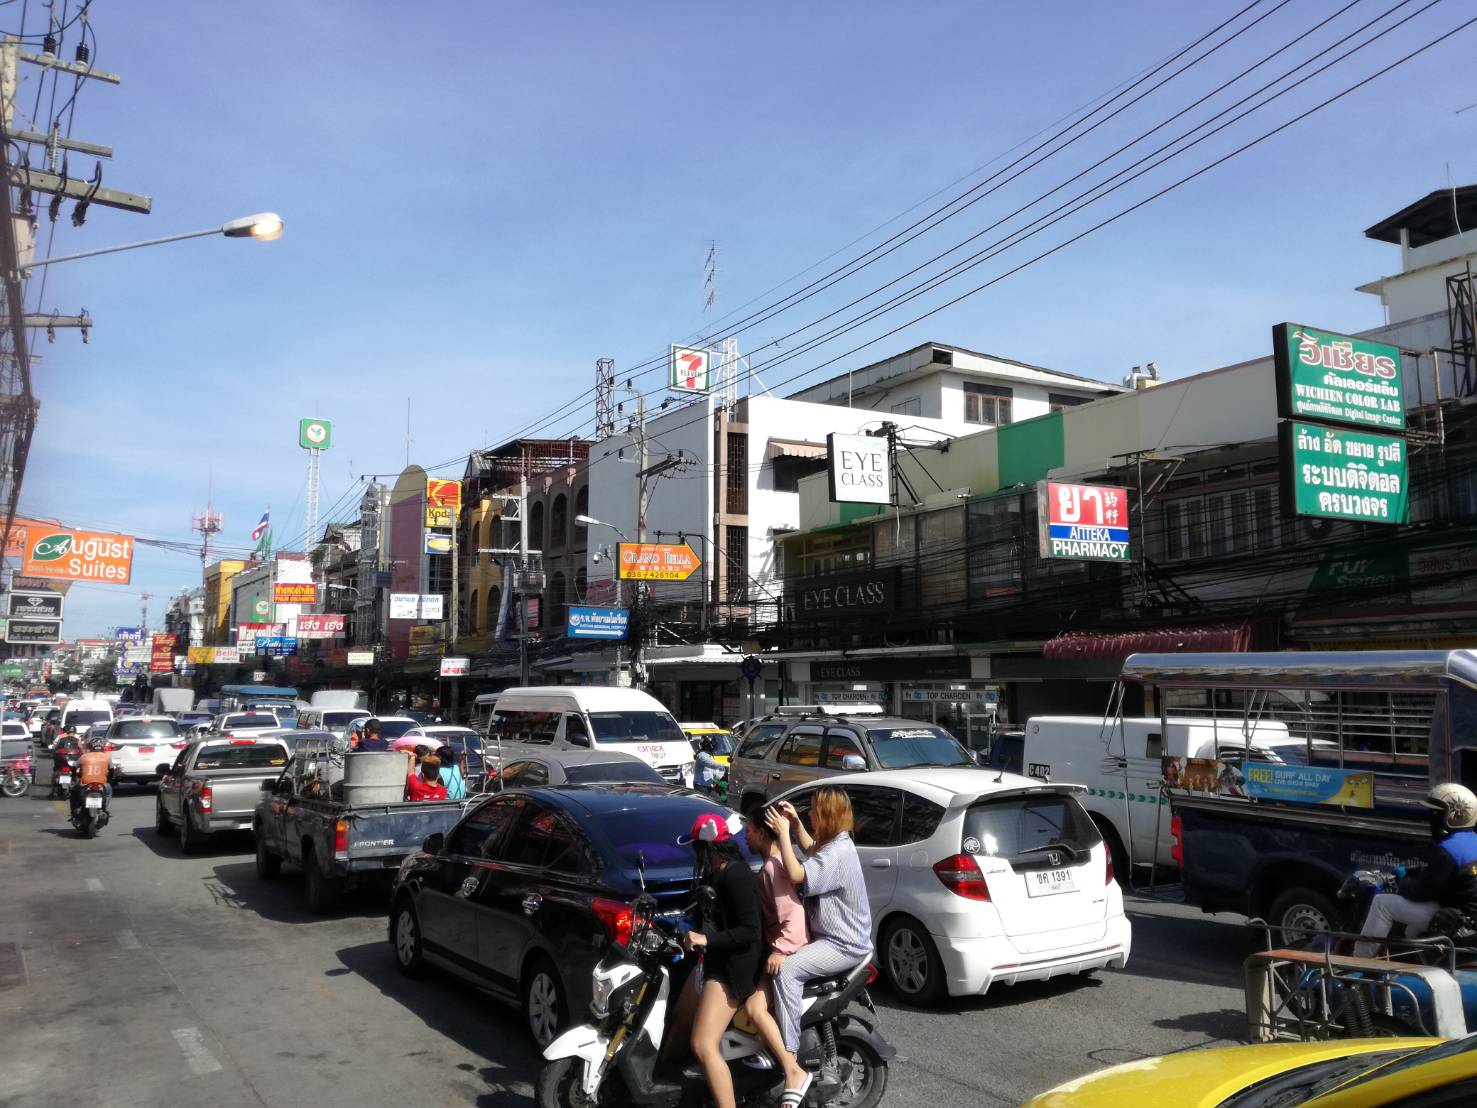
(369, 739)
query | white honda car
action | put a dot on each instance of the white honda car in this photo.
(977, 878)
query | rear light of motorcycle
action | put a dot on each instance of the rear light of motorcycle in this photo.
(1177, 841)
(206, 797)
(871, 972)
(341, 837)
(962, 876)
(616, 916)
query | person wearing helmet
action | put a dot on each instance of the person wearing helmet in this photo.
(95, 767)
(1448, 879)
(708, 771)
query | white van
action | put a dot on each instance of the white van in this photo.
(332, 719)
(1121, 762)
(88, 716)
(626, 721)
(339, 698)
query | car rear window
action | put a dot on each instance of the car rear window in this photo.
(82, 717)
(145, 729)
(653, 830)
(594, 773)
(396, 728)
(245, 756)
(244, 723)
(1018, 826)
(336, 720)
(924, 745)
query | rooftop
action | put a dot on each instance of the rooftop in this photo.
(1438, 215)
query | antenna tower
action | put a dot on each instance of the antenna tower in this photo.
(710, 277)
(604, 398)
(207, 523)
(728, 372)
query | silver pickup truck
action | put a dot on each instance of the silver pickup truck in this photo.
(214, 785)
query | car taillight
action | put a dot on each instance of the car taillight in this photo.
(178, 746)
(1177, 842)
(205, 796)
(962, 876)
(110, 747)
(616, 916)
(242, 742)
(341, 837)
(1108, 858)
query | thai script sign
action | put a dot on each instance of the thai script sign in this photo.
(37, 631)
(161, 653)
(295, 592)
(410, 605)
(321, 626)
(1337, 474)
(36, 605)
(360, 658)
(453, 667)
(1310, 784)
(1085, 522)
(598, 623)
(1337, 378)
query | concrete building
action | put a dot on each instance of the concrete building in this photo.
(185, 618)
(216, 582)
(253, 596)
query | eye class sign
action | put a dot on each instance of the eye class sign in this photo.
(859, 468)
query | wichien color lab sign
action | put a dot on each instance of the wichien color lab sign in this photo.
(1338, 474)
(1337, 378)
(1086, 522)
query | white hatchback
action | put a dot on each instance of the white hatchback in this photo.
(977, 878)
(139, 745)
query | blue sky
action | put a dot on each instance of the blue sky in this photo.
(481, 199)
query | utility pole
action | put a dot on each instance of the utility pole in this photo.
(456, 596)
(523, 675)
(143, 616)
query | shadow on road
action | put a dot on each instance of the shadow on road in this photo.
(461, 1013)
(1002, 996)
(217, 846)
(1227, 1024)
(236, 885)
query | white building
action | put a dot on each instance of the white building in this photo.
(253, 592)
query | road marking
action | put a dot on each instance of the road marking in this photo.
(93, 885)
(193, 1044)
(128, 940)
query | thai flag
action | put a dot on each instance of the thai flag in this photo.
(262, 527)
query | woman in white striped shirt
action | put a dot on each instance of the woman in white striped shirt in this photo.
(829, 876)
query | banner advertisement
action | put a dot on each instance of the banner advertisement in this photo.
(438, 542)
(161, 653)
(61, 554)
(453, 667)
(360, 658)
(200, 655)
(1082, 522)
(227, 656)
(40, 632)
(655, 561)
(1337, 378)
(859, 469)
(405, 605)
(1344, 788)
(598, 623)
(423, 633)
(294, 592)
(1336, 474)
(35, 605)
(690, 370)
(321, 626)
(276, 646)
(433, 606)
(246, 634)
(443, 504)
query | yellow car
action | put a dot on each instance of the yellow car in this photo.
(1360, 1073)
(722, 739)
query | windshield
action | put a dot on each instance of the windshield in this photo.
(244, 723)
(145, 729)
(1023, 825)
(81, 717)
(594, 773)
(337, 721)
(635, 727)
(722, 744)
(906, 747)
(394, 728)
(1306, 1082)
(251, 756)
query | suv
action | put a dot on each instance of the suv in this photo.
(140, 745)
(778, 753)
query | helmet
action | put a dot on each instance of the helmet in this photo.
(1457, 805)
(99, 745)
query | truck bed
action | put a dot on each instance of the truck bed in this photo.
(379, 835)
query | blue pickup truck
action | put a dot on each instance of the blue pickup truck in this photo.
(1381, 728)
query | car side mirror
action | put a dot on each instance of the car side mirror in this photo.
(434, 843)
(269, 785)
(162, 769)
(853, 763)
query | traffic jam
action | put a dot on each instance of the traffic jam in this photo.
(634, 888)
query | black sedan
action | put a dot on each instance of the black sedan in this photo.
(524, 895)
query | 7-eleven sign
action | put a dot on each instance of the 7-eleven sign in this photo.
(692, 370)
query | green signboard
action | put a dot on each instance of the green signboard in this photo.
(314, 434)
(1339, 474)
(1337, 378)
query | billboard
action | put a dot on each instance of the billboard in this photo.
(360, 658)
(1333, 378)
(314, 434)
(66, 555)
(200, 655)
(657, 561)
(44, 632)
(1336, 474)
(276, 646)
(438, 542)
(859, 469)
(246, 634)
(35, 605)
(161, 653)
(443, 503)
(1082, 522)
(295, 592)
(453, 667)
(227, 656)
(598, 623)
(690, 370)
(321, 626)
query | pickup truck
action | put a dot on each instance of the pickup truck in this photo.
(338, 845)
(214, 785)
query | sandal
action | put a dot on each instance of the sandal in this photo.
(794, 1098)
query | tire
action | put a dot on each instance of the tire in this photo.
(558, 1086)
(545, 1012)
(189, 841)
(1300, 910)
(323, 892)
(162, 826)
(268, 865)
(405, 937)
(866, 1082)
(90, 828)
(910, 963)
(15, 786)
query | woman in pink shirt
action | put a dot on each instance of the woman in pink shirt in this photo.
(784, 926)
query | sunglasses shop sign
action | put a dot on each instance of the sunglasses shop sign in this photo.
(859, 468)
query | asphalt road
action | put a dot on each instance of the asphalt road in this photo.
(131, 974)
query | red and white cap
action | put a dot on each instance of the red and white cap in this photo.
(707, 828)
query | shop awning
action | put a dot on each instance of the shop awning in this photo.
(1214, 639)
(792, 448)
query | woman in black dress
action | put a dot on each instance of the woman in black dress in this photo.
(731, 946)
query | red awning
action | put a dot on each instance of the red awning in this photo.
(1225, 638)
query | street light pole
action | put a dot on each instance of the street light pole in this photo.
(264, 227)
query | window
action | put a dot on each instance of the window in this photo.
(760, 740)
(575, 732)
(1009, 828)
(134, 729)
(635, 727)
(839, 744)
(555, 601)
(479, 831)
(473, 623)
(920, 818)
(738, 472)
(875, 812)
(1057, 401)
(581, 585)
(986, 403)
(803, 748)
(911, 406)
(558, 522)
(1218, 524)
(536, 526)
(517, 726)
(526, 774)
(736, 562)
(255, 756)
(582, 504)
(924, 745)
(494, 606)
(542, 839)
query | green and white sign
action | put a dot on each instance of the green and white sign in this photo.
(1337, 378)
(314, 434)
(1337, 474)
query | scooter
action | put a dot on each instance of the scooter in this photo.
(92, 814)
(62, 777)
(15, 780)
(615, 1059)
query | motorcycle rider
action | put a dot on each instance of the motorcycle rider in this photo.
(62, 753)
(1449, 879)
(95, 767)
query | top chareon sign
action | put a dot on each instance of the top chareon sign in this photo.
(691, 370)
(859, 468)
(1086, 522)
(1333, 378)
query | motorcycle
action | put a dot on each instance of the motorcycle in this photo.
(91, 815)
(15, 781)
(62, 777)
(615, 1059)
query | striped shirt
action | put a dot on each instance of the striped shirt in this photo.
(835, 893)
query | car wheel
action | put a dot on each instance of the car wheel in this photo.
(189, 841)
(161, 819)
(910, 962)
(268, 865)
(1300, 910)
(323, 892)
(543, 1002)
(406, 935)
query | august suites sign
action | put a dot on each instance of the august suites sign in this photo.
(832, 597)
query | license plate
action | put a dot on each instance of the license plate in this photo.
(146, 750)
(64, 779)
(1047, 882)
(94, 802)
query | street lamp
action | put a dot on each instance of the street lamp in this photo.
(591, 521)
(264, 227)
